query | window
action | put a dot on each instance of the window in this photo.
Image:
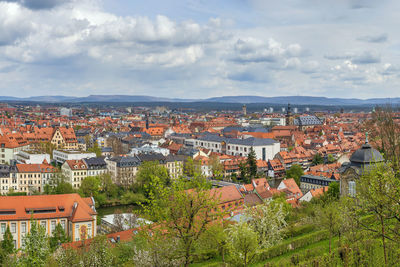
(263, 153)
(352, 188)
(3, 228)
(53, 226)
(63, 224)
(43, 224)
(23, 227)
(13, 228)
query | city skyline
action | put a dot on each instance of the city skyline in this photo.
(199, 49)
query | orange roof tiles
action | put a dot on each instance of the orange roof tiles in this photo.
(23, 205)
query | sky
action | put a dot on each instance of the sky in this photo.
(200, 48)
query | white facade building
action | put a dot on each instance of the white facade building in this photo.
(60, 156)
(31, 157)
(265, 149)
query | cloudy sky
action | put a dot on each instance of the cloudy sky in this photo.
(200, 48)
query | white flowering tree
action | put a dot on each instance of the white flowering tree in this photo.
(242, 243)
(268, 220)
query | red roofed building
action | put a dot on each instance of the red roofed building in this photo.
(65, 138)
(75, 214)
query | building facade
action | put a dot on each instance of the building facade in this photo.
(75, 214)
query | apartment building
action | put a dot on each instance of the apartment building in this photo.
(75, 214)
(75, 171)
(8, 179)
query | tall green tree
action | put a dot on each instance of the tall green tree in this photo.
(377, 192)
(59, 237)
(37, 249)
(252, 163)
(182, 214)
(328, 218)
(7, 244)
(148, 171)
(295, 172)
(217, 168)
(317, 159)
(90, 186)
(244, 172)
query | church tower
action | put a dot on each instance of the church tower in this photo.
(289, 116)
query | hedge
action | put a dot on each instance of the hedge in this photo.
(287, 246)
(298, 230)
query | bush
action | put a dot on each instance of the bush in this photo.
(294, 231)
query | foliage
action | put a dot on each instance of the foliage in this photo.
(242, 242)
(317, 159)
(287, 246)
(148, 171)
(132, 198)
(59, 184)
(184, 214)
(252, 163)
(295, 172)
(90, 186)
(328, 218)
(7, 243)
(333, 191)
(217, 168)
(331, 158)
(268, 221)
(95, 149)
(378, 193)
(36, 248)
(99, 253)
(244, 173)
(191, 167)
(59, 237)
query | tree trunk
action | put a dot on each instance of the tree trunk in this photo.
(383, 240)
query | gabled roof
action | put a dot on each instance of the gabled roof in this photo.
(47, 206)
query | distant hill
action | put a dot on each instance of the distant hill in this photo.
(280, 100)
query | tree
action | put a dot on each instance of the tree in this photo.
(36, 248)
(331, 158)
(328, 218)
(268, 221)
(217, 168)
(118, 221)
(317, 159)
(252, 163)
(59, 237)
(378, 193)
(148, 171)
(95, 149)
(89, 186)
(333, 190)
(295, 172)
(214, 239)
(7, 244)
(191, 167)
(107, 186)
(58, 184)
(183, 214)
(385, 133)
(244, 172)
(99, 253)
(242, 243)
